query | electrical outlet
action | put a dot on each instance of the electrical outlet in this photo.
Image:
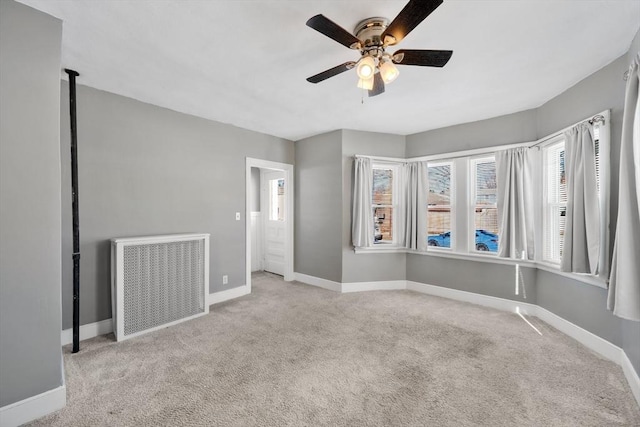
(225, 279)
(237, 216)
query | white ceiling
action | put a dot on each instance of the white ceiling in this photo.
(245, 62)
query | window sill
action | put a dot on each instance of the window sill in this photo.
(492, 259)
(380, 249)
(584, 278)
(474, 257)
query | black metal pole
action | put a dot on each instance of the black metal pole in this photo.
(74, 202)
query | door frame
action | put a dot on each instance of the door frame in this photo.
(289, 214)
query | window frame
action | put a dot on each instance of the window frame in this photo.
(452, 205)
(473, 176)
(396, 187)
(461, 160)
(604, 200)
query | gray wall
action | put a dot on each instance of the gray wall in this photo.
(255, 190)
(579, 303)
(318, 206)
(366, 267)
(509, 129)
(30, 353)
(582, 304)
(496, 280)
(146, 170)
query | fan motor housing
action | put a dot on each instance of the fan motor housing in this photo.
(370, 30)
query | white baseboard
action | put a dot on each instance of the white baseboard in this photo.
(584, 337)
(632, 376)
(221, 296)
(388, 285)
(473, 298)
(89, 330)
(33, 407)
(317, 281)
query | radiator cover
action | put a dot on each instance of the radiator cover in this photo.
(158, 281)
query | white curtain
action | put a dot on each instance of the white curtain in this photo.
(416, 206)
(581, 246)
(401, 213)
(362, 214)
(515, 204)
(624, 283)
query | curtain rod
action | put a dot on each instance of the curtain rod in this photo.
(595, 119)
(381, 159)
(600, 117)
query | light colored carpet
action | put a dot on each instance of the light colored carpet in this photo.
(292, 354)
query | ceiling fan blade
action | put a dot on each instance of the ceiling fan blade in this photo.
(413, 14)
(425, 58)
(334, 31)
(331, 72)
(378, 85)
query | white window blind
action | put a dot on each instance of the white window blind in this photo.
(555, 205)
(596, 140)
(440, 206)
(485, 208)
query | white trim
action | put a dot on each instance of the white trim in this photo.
(89, 330)
(388, 285)
(165, 238)
(319, 282)
(221, 296)
(588, 339)
(33, 407)
(289, 214)
(384, 249)
(632, 376)
(476, 257)
(256, 249)
(584, 278)
(473, 298)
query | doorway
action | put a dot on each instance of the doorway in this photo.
(273, 200)
(274, 242)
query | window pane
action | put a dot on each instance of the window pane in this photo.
(382, 202)
(485, 211)
(382, 221)
(382, 185)
(439, 210)
(439, 227)
(486, 183)
(276, 199)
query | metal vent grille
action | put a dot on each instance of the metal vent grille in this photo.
(158, 281)
(162, 283)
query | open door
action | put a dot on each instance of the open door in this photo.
(275, 220)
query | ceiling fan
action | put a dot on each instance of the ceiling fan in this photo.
(371, 37)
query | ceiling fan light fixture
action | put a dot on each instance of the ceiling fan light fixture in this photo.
(366, 68)
(388, 71)
(366, 83)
